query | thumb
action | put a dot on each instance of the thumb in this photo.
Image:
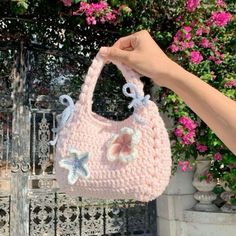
(115, 54)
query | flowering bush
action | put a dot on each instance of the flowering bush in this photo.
(199, 35)
(203, 45)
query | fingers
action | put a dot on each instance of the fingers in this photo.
(115, 54)
(124, 43)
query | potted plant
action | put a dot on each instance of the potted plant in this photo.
(224, 169)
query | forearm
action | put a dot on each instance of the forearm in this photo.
(214, 108)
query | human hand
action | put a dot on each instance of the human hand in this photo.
(141, 53)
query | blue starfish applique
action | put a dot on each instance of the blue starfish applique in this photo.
(76, 164)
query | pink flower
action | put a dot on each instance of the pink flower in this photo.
(110, 16)
(199, 31)
(217, 53)
(230, 84)
(205, 43)
(196, 57)
(218, 156)
(190, 44)
(178, 132)
(192, 5)
(174, 48)
(221, 3)
(211, 58)
(91, 20)
(67, 3)
(186, 131)
(188, 36)
(122, 146)
(83, 6)
(221, 18)
(185, 165)
(217, 62)
(183, 45)
(178, 36)
(188, 138)
(103, 5)
(102, 19)
(201, 148)
(215, 39)
(187, 29)
(187, 123)
(193, 23)
(89, 11)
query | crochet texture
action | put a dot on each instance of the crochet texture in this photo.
(144, 178)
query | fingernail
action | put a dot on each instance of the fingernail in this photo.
(104, 51)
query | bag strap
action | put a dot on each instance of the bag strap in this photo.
(87, 89)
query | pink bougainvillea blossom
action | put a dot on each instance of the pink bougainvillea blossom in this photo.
(221, 3)
(190, 44)
(196, 57)
(191, 5)
(187, 122)
(67, 3)
(178, 36)
(230, 84)
(91, 20)
(217, 62)
(178, 132)
(187, 29)
(202, 30)
(182, 45)
(185, 165)
(97, 12)
(218, 156)
(205, 43)
(188, 36)
(174, 48)
(186, 130)
(110, 16)
(221, 18)
(201, 148)
(199, 31)
(189, 138)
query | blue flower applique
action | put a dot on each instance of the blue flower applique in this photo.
(76, 163)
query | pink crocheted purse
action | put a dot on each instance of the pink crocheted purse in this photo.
(101, 158)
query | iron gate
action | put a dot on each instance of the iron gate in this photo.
(30, 201)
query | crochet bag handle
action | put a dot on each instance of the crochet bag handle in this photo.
(86, 95)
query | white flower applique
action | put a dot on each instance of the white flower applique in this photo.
(123, 146)
(76, 163)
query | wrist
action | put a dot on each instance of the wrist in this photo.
(175, 76)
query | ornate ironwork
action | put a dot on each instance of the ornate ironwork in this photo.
(42, 215)
(4, 216)
(43, 146)
(68, 215)
(27, 178)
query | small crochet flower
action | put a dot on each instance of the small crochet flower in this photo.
(122, 146)
(76, 164)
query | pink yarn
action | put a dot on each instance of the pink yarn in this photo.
(144, 178)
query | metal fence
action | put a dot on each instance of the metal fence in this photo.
(30, 201)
